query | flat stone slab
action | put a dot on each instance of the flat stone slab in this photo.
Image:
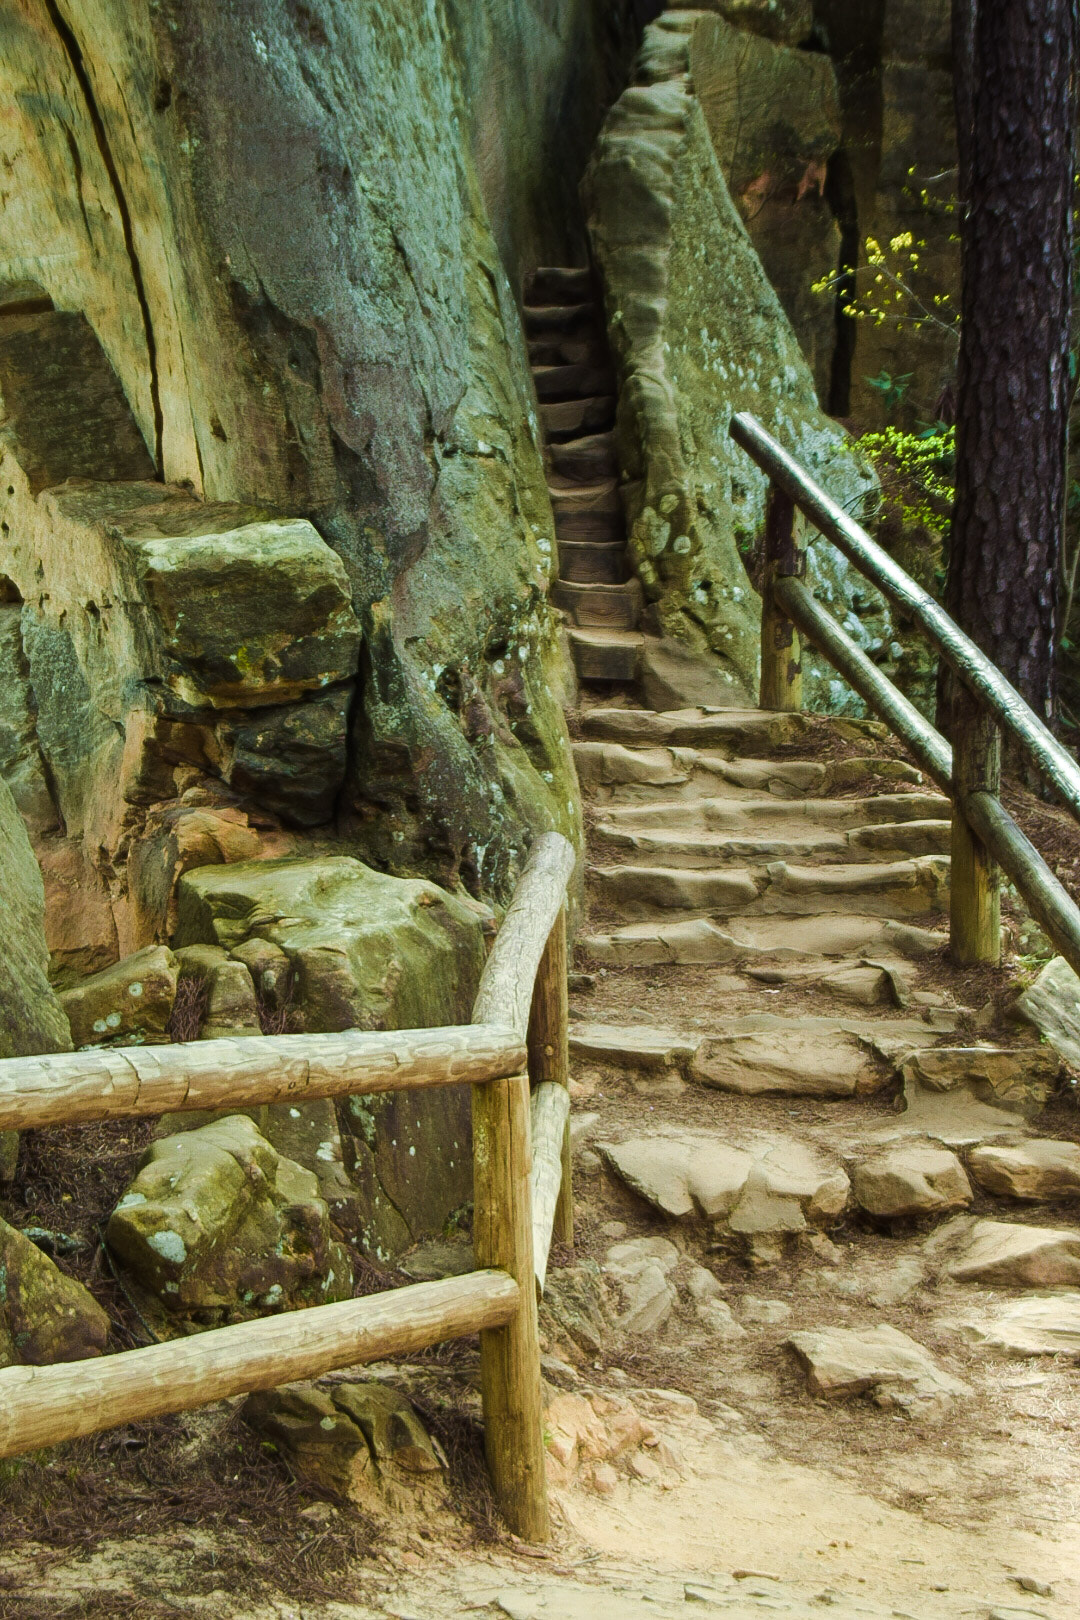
(1038, 1169)
(633, 1046)
(1005, 1254)
(796, 1062)
(1040, 1325)
(881, 1362)
(774, 1185)
(698, 941)
(911, 1179)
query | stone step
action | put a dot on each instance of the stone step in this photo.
(587, 459)
(570, 418)
(629, 774)
(559, 284)
(802, 842)
(726, 815)
(592, 562)
(558, 383)
(606, 655)
(694, 942)
(780, 888)
(744, 731)
(760, 1054)
(562, 320)
(587, 511)
(582, 348)
(614, 607)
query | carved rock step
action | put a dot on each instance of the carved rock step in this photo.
(612, 607)
(555, 383)
(569, 418)
(586, 459)
(561, 320)
(751, 816)
(698, 941)
(580, 349)
(606, 655)
(592, 562)
(558, 284)
(908, 887)
(647, 775)
(751, 731)
(587, 511)
(686, 848)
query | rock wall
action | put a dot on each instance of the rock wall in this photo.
(251, 241)
(895, 173)
(31, 1018)
(699, 333)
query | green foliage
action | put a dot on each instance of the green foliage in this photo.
(916, 472)
(892, 389)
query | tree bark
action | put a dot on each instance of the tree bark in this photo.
(1013, 380)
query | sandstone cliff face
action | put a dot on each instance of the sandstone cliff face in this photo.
(250, 243)
(699, 333)
(31, 1018)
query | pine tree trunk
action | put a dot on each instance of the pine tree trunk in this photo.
(1017, 109)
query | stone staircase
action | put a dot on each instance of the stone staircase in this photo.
(575, 385)
(770, 1044)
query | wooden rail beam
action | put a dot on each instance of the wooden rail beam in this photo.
(550, 1124)
(549, 1063)
(41, 1406)
(506, 986)
(974, 880)
(132, 1082)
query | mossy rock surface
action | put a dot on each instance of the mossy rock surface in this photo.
(45, 1316)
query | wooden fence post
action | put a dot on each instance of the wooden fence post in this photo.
(549, 1053)
(509, 1356)
(781, 653)
(975, 890)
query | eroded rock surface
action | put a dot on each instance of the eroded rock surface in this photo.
(1037, 1170)
(127, 1004)
(911, 1180)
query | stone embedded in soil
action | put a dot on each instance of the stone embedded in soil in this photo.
(642, 1267)
(1052, 1005)
(881, 1362)
(45, 1316)
(1021, 1078)
(788, 1062)
(908, 1180)
(364, 1441)
(1006, 1255)
(130, 1002)
(777, 1185)
(632, 1046)
(218, 1226)
(1040, 1325)
(1038, 1170)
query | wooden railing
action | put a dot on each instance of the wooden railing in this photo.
(984, 835)
(521, 1182)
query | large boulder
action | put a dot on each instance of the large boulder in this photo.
(364, 951)
(217, 1226)
(31, 1017)
(699, 333)
(44, 1315)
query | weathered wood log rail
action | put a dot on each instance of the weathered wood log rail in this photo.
(984, 835)
(514, 1055)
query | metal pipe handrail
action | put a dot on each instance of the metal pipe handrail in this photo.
(967, 660)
